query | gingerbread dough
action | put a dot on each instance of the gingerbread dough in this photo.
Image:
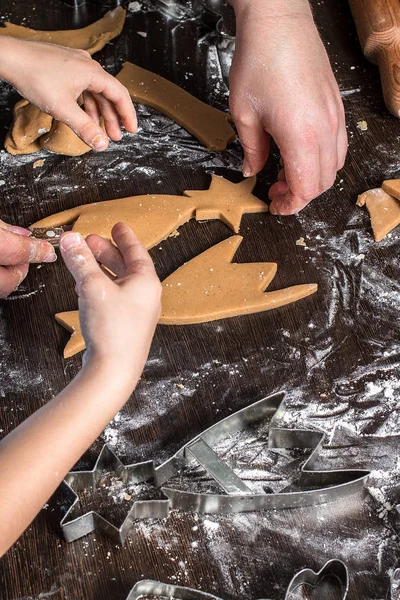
(62, 140)
(154, 218)
(28, 126)
(392, 187)
(207, 288)
(91, 38)
(33, 130)
(383, 208)
(210, 287)
(210, 126)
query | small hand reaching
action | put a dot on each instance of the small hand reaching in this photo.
(118, 316)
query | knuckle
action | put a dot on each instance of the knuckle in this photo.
(332, 122)
(243, 118)
(141, 265)
(83, 129)
(310, 194)
(85, 54)
(97, 68)
(328, 183)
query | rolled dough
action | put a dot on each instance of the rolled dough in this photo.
(155, 217)
(210, 126)
(384, 209)
(91, 38)
(207, 288)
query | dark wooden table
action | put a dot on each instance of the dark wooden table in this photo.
(336, 353)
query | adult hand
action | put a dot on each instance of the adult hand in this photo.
(53, 78)
(17, 250)
(281, 84)
(118, 316)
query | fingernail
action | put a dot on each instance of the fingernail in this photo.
(99, 142)
(19, 230)
(70, 240)
(50, 258)
(247, 170)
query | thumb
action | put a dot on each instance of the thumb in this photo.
(80, 260)
(255, 142)
(84, 126)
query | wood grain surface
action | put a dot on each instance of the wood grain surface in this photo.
(336, 352)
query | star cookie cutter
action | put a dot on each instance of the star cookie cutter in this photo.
(325, 486)
(333, 568)
(76, 481)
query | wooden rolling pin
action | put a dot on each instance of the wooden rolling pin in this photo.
(378, 27)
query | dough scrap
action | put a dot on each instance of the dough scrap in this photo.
(91, 38)
(384, 209)
(392, 187)
(154, 217)
(63, 140)
(212, 127)
(207, 288)
(33, 130)
(29, 124)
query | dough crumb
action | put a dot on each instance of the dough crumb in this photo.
(180, 386)
(142, 33)
(301, 242)
(174, 234)
(127, 497)
(134, 7)
(38, 163)
(362, 125)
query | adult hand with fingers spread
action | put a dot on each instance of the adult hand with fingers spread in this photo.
(17, 250)
(282, 85)
(53, 78)
(118, 316)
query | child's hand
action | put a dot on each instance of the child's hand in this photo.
(118, 316)
(17, 250)
(281, 84)
(53, 78)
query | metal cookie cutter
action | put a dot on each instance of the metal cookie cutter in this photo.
(76, 481)
(226, 24)
(394, 585)
(333, 568)
(222, 46)
(325, 485)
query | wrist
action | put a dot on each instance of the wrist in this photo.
(119, 374)
(10, 53)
